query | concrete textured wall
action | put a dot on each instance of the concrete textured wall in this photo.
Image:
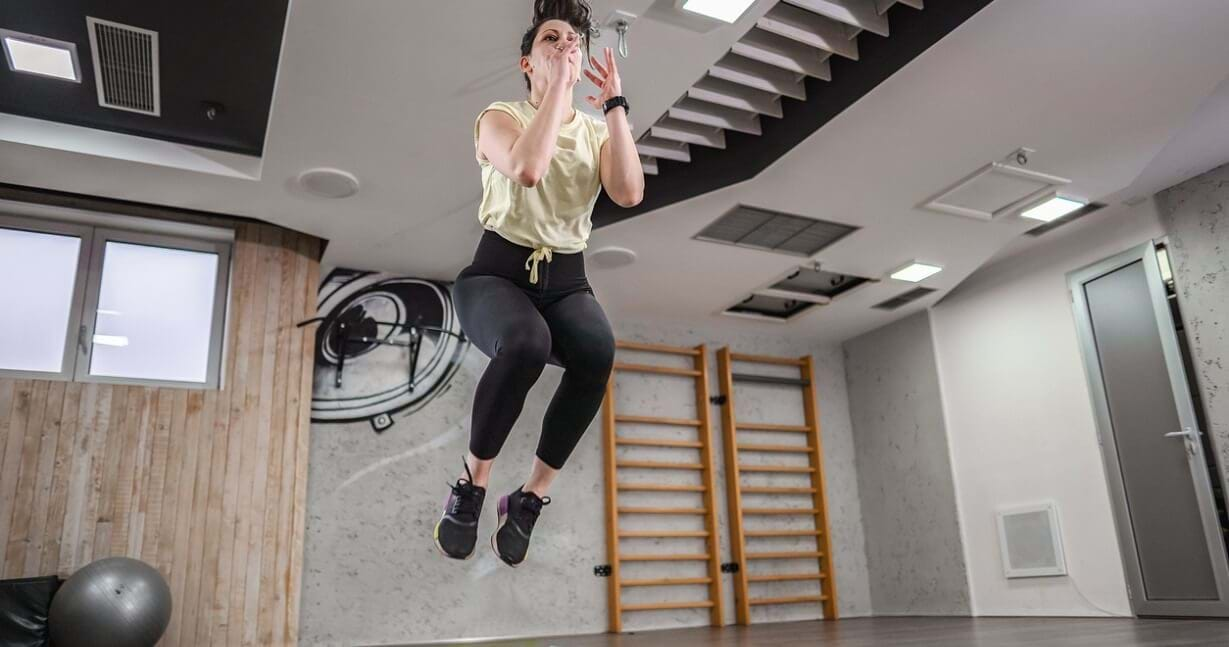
(1196, 217)
(913, 545)
(372, 575)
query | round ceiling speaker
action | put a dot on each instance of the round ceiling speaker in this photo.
(328, 182)
(611, 257)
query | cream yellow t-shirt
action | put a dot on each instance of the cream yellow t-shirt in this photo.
(556, 214)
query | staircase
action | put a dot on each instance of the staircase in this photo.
(792, 41)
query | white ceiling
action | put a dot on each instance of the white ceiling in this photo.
(388, 91)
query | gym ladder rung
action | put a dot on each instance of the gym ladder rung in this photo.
(656, 420)
(655, 442)
(801, 449)
(660, 487)
(785, 577)
(668, 581)
(782, 533)
(785, 555)
(656, 606)
(797, 511)
(755, 489)
(765, 359)
(663, 533)
(654, 557)
(767, 426)
(659, 465)
(657, 348)
(634, 510)
(650, 368)
(786, 600)
(777, 469)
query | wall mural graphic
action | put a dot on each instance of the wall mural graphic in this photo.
(387, 345)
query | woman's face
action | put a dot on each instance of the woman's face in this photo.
(551, 35)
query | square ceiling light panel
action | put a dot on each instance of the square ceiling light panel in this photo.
(915, 272)
(724, 10)
(48, 57)
(995, 190)
(775, 231)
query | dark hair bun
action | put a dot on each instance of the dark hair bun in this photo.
(574, 12)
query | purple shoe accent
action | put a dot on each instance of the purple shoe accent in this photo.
(503, 505)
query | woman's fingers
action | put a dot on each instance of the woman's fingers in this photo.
(598, 66)
(598, 81)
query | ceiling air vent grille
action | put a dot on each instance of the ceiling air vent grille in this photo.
(774, 231)
(908, 297)
(125, 66)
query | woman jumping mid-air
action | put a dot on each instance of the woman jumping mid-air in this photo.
(525, 299)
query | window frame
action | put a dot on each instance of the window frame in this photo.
(93, 231)
(75, 309)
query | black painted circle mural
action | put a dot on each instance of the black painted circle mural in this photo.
(371, 316)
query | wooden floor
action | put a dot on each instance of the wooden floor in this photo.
(918, 632)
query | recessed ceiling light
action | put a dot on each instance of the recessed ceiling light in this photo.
(42, 56)
(723, 10)
(1052, 209)
(111, 340)
(915, 272)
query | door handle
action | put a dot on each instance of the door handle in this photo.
(1188, 434)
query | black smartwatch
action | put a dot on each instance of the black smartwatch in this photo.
(615, 102)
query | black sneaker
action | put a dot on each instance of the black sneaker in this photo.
(517, 514)
(457, 531)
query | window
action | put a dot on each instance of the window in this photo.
(96, 304)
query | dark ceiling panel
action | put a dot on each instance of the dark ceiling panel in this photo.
(221, 51)
(912, 32)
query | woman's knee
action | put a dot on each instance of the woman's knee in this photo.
(595, 360)
(528, 343)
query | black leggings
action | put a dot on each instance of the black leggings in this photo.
(522, 327)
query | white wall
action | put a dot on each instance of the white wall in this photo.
(1020, 418)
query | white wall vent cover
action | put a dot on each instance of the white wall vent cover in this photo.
(125, 66)
(995, 190)
(1031, 542)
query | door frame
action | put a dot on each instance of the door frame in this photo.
(1146, 253)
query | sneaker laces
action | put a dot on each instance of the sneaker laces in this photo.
(464, 495)
(531, 507)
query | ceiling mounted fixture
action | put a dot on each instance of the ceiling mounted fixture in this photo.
(329, 183)
(41, 56)
(125, 66)
(1052, 209)
(915, 272)
(609, 258)
(724, 10)
(996, 189)
(775, 231)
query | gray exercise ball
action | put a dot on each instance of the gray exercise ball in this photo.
(116, 601)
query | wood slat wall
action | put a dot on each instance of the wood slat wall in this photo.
(207, 486)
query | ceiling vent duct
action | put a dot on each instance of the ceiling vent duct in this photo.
(774, 231)
(125, 66)
(769, 307)
(906, 298)
(816, 284)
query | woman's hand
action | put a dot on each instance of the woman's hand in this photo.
(559, 66)
(608, 82)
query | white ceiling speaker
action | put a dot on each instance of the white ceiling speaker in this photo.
(329, 182)
(609, 258)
